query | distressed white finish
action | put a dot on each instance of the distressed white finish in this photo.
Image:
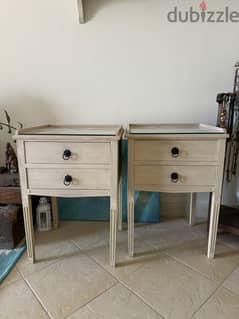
(189, 150)
(151, 163)
(93, 166)
(83, 153)
(191, 175)
(83, 178)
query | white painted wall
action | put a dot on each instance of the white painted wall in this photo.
(126, 64)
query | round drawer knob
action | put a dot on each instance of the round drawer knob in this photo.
(67, 180)
(66, 155)
(174, 177)
(175, 152)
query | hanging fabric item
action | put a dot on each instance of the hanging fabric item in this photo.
(236, 81)
(228, 118)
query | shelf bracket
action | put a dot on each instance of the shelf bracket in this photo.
(81, 11)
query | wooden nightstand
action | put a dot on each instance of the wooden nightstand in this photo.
(70, 161)
(176, 158)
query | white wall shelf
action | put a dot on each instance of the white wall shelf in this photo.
(81, 11)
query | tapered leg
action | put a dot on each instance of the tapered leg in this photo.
(28, 222)
(215, 203)
(130, 222)
(191, 220)
(120, 217)
(54, 206)
(214, 217)
(114, 202)
(209, 212)
(113, 232)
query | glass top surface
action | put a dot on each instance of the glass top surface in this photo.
(54, 130)
(174, 129)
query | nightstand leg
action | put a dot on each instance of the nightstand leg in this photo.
(113, 234)
(120, 216)
(214, 217)
(131, 223)
(28, 221)
(54, 207)
(191, 221)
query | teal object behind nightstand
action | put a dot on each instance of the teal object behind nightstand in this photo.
(146, 203)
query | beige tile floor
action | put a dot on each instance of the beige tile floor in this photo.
(169, 277)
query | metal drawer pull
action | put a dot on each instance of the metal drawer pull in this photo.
(174, 177)
(175, 152)
(67, 180)
(66, 155)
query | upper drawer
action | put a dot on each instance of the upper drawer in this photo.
(176, 150)
(63, 152)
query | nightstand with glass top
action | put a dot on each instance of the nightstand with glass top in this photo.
(70, 161)
(176, 158)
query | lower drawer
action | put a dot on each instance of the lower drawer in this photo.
(172, 175)
(80, 178)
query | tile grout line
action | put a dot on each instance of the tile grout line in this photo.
(123, 284)
(82, 306)
(221, 242)
(43, 268)
(219, 283)
(119, 280)
(141, 298)
(56, 259)
(3, 285)
(103, 267)
(36, 297)
(193, 269)
(205, 301)
(220, 286)
(228, 245)
(229, 290)
(164, 251)
(128, 288)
